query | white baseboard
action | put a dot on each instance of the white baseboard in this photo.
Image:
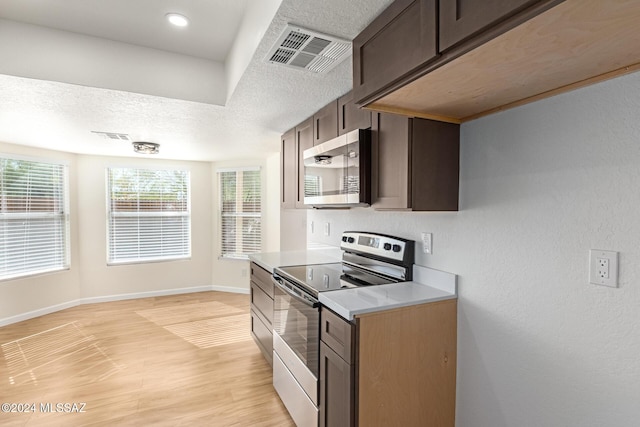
(120, 297)
(37, 313)
(150, 294)
(231, 289)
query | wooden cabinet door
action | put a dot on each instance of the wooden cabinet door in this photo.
(288, 170)
(461, 19)
(435, 158)
(350, 117)
(262, 278)
(398, 41)
(336, 390)
(304, 140)
(337, 333)
(263, 336)
(261, 304)
(325, 123)
(391, 144)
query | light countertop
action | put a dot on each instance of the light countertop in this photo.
(428, 285)
(271, 260)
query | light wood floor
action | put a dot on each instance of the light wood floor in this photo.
(185, 360)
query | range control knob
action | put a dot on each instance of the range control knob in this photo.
(344, 238)
(396, 248)
(387, 246)
(351, 240)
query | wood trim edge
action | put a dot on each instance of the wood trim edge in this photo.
(405, 112)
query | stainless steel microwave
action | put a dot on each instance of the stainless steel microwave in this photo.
(337, 173)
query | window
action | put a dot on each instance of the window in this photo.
(241, 212)
(149, 215)
(34, 217)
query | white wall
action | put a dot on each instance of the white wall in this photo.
(90, 279)
(293, 223)
(21, 296)
(540, 186)
(100, 280)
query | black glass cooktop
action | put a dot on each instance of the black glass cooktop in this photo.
(316, 278)
(329, 277)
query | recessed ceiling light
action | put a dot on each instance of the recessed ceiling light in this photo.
(177, 19)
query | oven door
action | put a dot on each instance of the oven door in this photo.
(296, 321)
(296, 327)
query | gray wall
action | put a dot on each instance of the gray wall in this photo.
(540, 186)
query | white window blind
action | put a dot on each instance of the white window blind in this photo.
(149, 215)
(34, 218)
(241, 212)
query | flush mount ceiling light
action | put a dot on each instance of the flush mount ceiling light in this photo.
(144, 147)
(322, 160)
(177, 19)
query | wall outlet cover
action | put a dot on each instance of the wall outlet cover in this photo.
(603, 268)
(427, 240)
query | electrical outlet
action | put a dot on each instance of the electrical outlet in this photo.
(426, 243)
(603, 268)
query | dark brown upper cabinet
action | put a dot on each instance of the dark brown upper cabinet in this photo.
(398, 41)
(458, 60)
(350, 117)
(416, 163)
(461, 19)
(325, 123)
(304, 140)
(288, 170)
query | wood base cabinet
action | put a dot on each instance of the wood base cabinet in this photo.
(262, 310)
(395, 367)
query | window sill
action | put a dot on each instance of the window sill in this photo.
(146, 261)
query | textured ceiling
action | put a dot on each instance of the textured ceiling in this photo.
(266, 101)
(214, 23)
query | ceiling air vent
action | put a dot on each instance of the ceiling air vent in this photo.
(112, 135)
(305, 49)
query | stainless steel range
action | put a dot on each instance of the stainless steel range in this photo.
(368, 259)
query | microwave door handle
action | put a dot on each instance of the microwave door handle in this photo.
(278, 283)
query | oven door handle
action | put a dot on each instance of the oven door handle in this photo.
(299, 297)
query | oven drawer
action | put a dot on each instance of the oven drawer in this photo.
(262, 278)
(337, 333)
(303, 411)
(263, 336)
(262, 303)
